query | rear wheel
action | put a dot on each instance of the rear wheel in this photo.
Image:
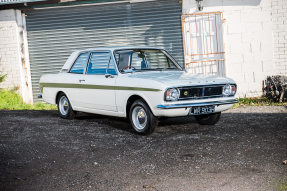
(141, 118)
(208, 119)
(65, 108)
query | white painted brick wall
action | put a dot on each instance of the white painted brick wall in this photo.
(10, 60)
(248, 38)
(279, 17)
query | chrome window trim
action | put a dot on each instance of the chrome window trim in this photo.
(164, 52)
(69, 70)
(171, 58)
(96, 51)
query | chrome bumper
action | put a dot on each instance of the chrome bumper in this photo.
(176, 106)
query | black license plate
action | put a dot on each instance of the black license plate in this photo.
(201, 110)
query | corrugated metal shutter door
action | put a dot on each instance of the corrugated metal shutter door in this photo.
(53, 34)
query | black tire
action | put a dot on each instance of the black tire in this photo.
(208, 119)
(67, 111)
(141, 118)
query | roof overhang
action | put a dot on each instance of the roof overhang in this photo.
(4, 2)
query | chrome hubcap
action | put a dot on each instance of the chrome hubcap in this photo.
(63, 105)
(139, 118)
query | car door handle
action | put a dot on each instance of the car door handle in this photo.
(81, 80)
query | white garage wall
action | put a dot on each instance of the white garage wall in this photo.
(248, 38)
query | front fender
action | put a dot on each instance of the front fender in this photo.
(151, 98)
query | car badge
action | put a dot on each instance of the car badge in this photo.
(185, 93)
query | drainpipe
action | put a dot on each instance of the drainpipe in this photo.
(26, 89)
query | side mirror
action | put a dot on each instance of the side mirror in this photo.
(107, 75)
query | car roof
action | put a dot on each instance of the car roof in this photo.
(75, 54)
(112, 48)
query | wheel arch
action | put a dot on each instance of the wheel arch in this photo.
(131, 100)
(58, 94)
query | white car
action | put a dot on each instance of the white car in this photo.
(139, 83)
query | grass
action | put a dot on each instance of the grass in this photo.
(282, 186)
(11, 100)
(257, 101)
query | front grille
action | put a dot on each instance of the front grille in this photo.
(211, 91)
(200, 92)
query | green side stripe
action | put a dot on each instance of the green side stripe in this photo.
(102, 87)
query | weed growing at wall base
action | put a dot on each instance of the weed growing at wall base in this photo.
(2, 76)
(11, 100)
(257, 101)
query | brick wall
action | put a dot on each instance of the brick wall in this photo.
(248, 39)
(14, 54)
(10, 58)
(279, 17)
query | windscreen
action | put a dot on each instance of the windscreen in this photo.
(144, 60)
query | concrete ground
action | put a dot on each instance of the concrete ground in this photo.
(243, 151)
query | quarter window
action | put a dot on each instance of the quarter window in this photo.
(80, 64)
(99, 62)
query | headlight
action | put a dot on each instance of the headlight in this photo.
(171, 95)
(228, 90)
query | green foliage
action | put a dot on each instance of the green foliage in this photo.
(282, 186)
(2, 77)
(11, 100)
(257, 101)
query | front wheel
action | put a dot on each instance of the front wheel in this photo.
(208, 119)
(65, 108)
(141, 118)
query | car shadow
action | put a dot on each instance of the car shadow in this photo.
(124, 124)
(114, 122)
(176, 120)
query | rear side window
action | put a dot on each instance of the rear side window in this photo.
(99, 62)
(80, 64)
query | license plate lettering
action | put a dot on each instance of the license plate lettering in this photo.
(196, 110)
(202, 110)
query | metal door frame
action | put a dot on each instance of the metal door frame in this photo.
(189, 58)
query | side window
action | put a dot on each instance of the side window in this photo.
(80, 64)
(112, 69)
(117, 56)
(99, 62)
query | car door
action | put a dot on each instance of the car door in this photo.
(99, 81)
(74, 78)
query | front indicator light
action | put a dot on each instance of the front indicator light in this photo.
(233, 89)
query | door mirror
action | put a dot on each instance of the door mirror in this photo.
(107, 75)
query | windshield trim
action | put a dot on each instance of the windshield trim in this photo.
(140, 48)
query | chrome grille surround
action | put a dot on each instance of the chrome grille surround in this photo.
(201, 92)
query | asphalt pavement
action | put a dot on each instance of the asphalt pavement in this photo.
(243, 151)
